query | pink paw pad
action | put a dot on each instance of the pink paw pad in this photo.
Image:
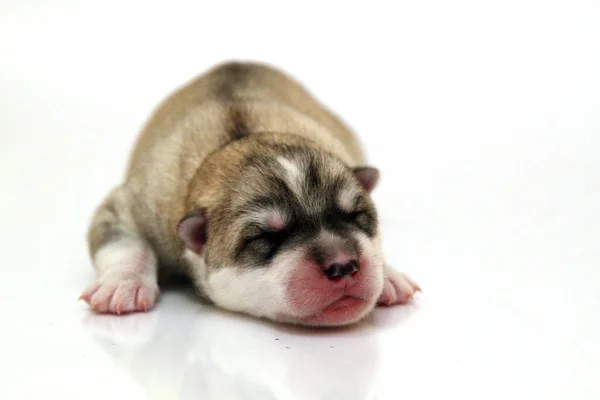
(398, 288)
(120, 297)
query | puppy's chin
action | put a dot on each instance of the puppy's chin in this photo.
(344, 311)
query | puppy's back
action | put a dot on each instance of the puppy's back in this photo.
(233, 83)
(256, 81)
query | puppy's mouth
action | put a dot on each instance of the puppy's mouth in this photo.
(346, 300)
(341, 311)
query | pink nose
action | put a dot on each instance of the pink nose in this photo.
(338, 270)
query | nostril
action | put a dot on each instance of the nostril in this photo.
(337, 270)
(334, 271)
(352, 267)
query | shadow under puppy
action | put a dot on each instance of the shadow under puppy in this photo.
(243, 182)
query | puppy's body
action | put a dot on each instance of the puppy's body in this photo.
(243, 182)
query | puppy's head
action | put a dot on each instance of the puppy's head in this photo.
(287, 232)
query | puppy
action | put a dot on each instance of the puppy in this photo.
(244, 183)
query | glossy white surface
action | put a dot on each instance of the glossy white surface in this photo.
(483, 119)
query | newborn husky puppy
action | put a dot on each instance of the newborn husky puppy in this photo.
(247, 185)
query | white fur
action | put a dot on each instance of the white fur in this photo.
(256, 291)
(371, 248)
(270, 218)
(128, 256)
(276, 220)
(293, 175)
(198, 272)
(127, 278)
(346, 198)
(329, 239)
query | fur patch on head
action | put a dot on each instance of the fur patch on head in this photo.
(293, 174)
(346, 198)
(271, 219)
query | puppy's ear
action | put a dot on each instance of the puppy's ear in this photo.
(192, 230)
(367, 176)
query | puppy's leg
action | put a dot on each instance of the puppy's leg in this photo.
(398, 288)
(126, 267)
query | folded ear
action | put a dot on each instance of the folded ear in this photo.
(192, 230)
(367, 176)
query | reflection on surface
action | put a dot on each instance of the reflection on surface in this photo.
(185, 350)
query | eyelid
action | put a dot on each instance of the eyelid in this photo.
(260, 232)
(268, 229)
(356, 213)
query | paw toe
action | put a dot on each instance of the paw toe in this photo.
(123, 300)
(101, 299)
(398, 289)
(145, 298)
(120, 297)
(89, 292)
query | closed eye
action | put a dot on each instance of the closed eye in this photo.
(261, 246)
(269, 236)
(355, 215)
(264, 238)
(360, 219)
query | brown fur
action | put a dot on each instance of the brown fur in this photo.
(196, 140)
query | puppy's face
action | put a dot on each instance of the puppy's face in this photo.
(296, 240)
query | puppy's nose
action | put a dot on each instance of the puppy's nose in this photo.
(339, 270)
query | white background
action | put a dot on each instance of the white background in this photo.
(482, 115)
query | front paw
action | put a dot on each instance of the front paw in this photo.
(398, 288)
(121, 296)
